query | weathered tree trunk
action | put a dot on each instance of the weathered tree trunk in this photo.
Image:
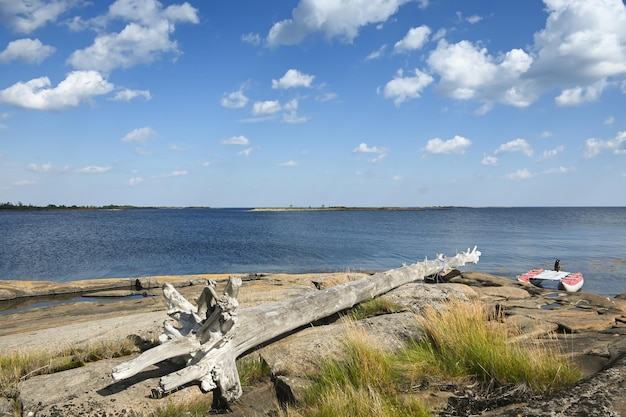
(212, 335)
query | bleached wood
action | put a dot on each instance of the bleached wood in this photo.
(214, 334)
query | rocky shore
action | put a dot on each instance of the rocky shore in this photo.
(45, 316)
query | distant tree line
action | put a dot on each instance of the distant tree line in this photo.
(20, 206)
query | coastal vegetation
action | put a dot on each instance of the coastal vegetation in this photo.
(18, 366)
(465, 344)
(29, 207)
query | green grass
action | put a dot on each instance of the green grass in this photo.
(464, 341)
(464, 345)
(374, 307)
(17, 366)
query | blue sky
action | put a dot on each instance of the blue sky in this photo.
(247, 103)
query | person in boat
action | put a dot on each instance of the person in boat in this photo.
(557, 265)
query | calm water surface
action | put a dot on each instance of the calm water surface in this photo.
(73, 245)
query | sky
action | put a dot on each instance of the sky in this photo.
(310, 103)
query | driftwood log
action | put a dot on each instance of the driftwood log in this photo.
(211, 335)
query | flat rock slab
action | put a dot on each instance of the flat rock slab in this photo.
(90, 391)
(416, 296)
(572, 321)
(299, 353)
(145, 325)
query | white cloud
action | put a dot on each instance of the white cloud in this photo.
(48, 167)
(403, 88)
(341, 19)
(414, 39)
(261, 108)
(522, 174)
(551, 153)
(135, 181)
(376, 54)
(517, 145)
(141, 135)
(236, 140)
(288, 164)
(456, 145)
(176, 148)
(474, 19)
(617, 145)
(293, 117)
(176, 173)
(583, 42)
(489, 160)
(578, 95)
(327, 97)
(28, 50)
(251, 38)
(363, 148)
(234, 100)
(581, 51)
(466, 71)
(37, 94)
(559, 170)
(609, 120)
(290, 114)
(293, 79)
(245, 152)
(128, 95)
(144, 40)
(26, 16)
(92, 169)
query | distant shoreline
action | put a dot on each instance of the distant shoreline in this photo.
(343, 208)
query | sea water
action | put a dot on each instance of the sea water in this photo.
(70, 245)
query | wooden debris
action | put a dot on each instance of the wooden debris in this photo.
(211, 335)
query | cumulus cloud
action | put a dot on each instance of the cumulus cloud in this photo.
(37, 94)
(517, 145)
(551, 153)
(128, 95)
(143, 40)
(617, 145)
(290, 112)
(402, 88)
(581, 52)
(236, 140)
(522, 174)
(456, 145)
(489, 160)
(262, 108)
(28, 50)
(25, 16)
(135, 181)
(93, 169)
(234, 100)
(364, 148)
(467, 71)
(141, 135)
(245, 152)
(414, 39)
(334, 19)
(293, 79)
